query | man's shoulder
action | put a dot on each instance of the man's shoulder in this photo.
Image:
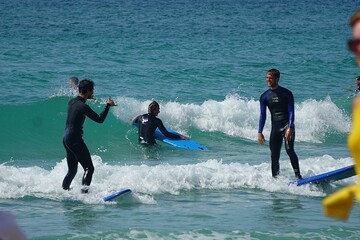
(157, 120)
(284, 89)
(265, 93)
(76, 101)
(142, 116)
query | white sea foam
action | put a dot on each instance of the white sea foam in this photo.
(148, 181)
(236, 116)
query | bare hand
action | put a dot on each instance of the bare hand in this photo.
(288, 134)
(182, 137)
(110, 102)
(261, 138)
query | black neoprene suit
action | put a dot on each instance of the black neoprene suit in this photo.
(280, 102)
(147, 125)
(76, 149)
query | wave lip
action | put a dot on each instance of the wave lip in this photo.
(239, 117)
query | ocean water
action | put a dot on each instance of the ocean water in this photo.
(205, 63)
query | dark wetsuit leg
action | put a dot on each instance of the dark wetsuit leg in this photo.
(78, 152)
(289, 146)
(87, 165)
(72, 163)
(275, 142)
(276, 138)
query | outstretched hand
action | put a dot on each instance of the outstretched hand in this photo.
(110, 102)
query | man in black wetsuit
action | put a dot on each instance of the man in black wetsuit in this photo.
(148, 123)
(280, 102)
(76, 149)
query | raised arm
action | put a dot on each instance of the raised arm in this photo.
(99, 118)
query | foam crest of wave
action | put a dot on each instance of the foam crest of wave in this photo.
(237, 116)
(149, 181)
(315, 119)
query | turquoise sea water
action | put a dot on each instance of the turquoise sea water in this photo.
(205, 63)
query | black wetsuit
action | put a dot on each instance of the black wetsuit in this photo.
(76, 149)
(280, 102)
(147, 124)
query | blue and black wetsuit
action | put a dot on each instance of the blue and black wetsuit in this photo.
(147, 125)
(76, 149)
(280, 102)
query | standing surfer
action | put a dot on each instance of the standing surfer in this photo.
(76, 149)
(280, 102)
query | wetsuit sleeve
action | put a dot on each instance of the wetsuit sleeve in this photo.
(262, 118)
(168, 134)
(135, 121)
(99, 118)
(291, 111)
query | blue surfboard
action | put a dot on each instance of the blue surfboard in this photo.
(188, 144)
(117, 194)
(331, 176)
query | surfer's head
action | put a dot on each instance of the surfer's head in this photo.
(154, 108)
(272, 78)
(354, 42)
(86, 88)
(355, 18)
(74, 82)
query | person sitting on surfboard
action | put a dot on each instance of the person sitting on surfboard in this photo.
(280, 102)
(148, 123)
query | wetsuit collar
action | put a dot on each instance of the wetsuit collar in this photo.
(274, 88)
(81, 98)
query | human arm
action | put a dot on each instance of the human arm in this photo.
(291, 115)
(262, 120)
(168, 134)
(99, 118)
(136, 120)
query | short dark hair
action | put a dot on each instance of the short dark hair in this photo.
(86, 86)
(75, 80)
(357, 78)
(355, 18)
(274, 72)
(152, 106)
